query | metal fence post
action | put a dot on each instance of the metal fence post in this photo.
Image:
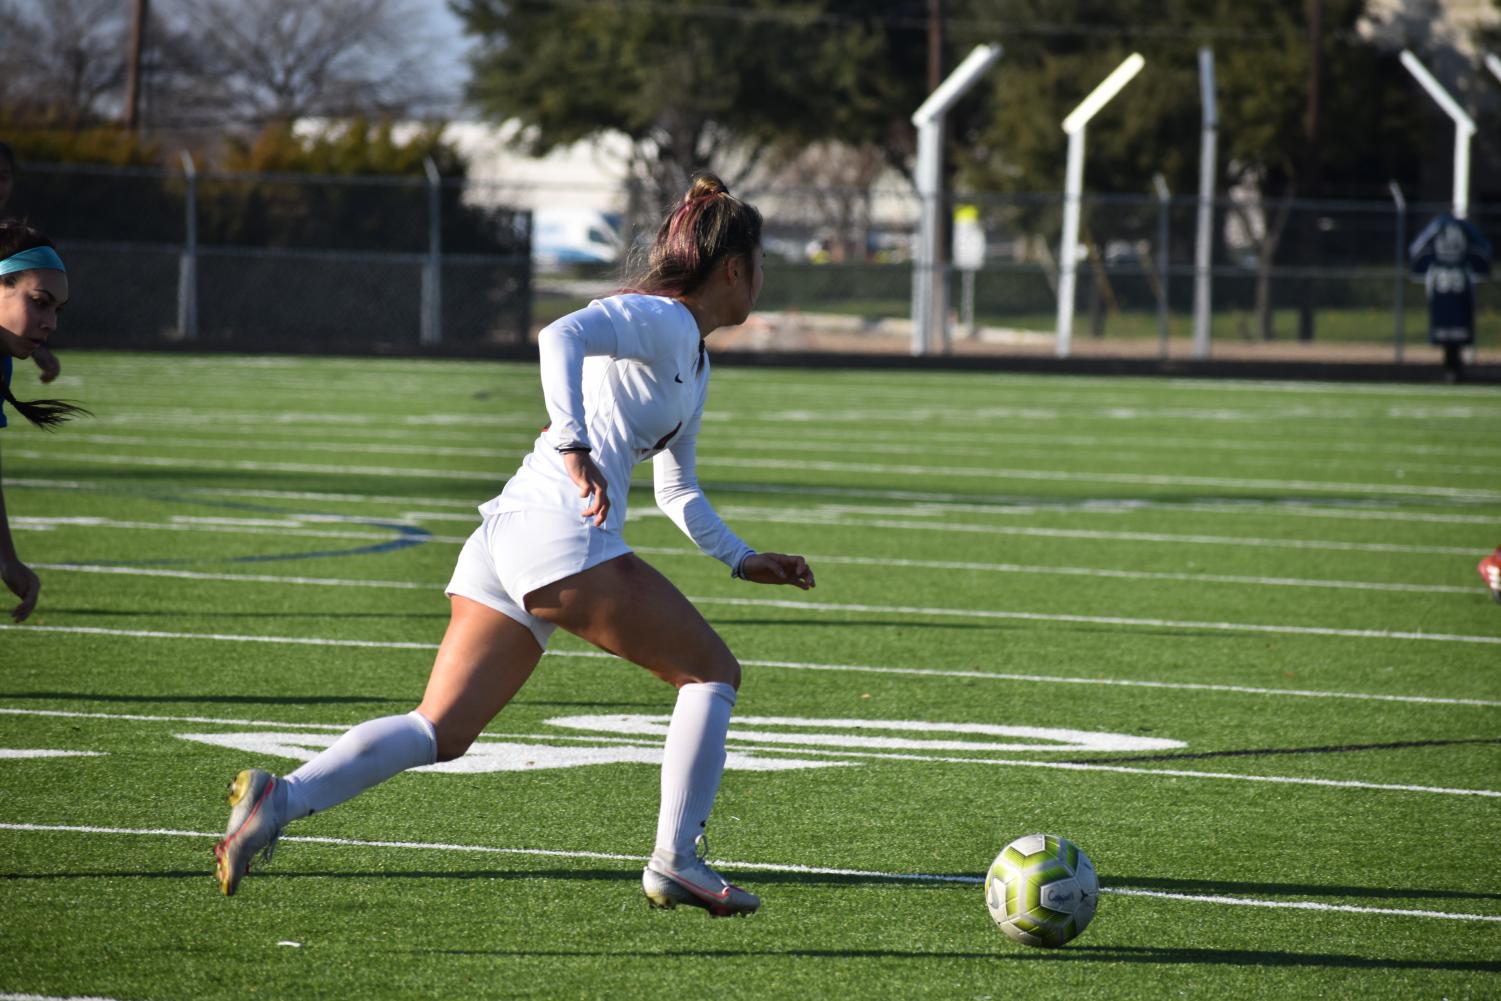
(431, 332)
(1164, 204)
(929, 276)
(1073, 191)
(1399, 316)
(187, 262)
(1204, 236)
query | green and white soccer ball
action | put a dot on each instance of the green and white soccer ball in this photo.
(1042, 890)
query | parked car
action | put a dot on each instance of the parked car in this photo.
(563, 237)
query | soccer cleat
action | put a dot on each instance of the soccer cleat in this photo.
(254, 826)
(669, 881)
(1490, 572)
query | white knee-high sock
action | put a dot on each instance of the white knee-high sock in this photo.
(364, 756)
(692, 762)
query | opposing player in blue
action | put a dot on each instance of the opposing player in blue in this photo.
(624, 380)
(33, 290)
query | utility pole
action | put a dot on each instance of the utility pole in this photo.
(133, 66)
(935, 44)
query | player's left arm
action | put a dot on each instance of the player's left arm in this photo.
(678, 494)
(47, 362)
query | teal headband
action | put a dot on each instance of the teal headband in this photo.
(31, 259)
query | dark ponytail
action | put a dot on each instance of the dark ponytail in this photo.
(46, 414)
(708, 225)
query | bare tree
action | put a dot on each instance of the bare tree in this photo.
(263, 60)
(63, 59)
(833, 185)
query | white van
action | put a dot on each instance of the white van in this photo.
(562, 237)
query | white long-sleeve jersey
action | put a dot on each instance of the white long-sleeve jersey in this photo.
(626, 376)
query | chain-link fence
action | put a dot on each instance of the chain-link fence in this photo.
(282, 263)
(1301, 272)
(286, 263)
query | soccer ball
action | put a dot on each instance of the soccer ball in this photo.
(1042, 890)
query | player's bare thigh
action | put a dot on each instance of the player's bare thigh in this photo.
(627, 607)
(482, 663)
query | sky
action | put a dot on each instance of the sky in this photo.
(450, 66)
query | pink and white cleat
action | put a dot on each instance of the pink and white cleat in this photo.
(670, 880)
(254, 826)
(1490, 572)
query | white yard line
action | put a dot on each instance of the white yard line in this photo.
(925, 503)
(871, 561)
(1067, 571)
(796, 665)
(1108, 620)
(278, 495)
(1122, 449)
(256, 578)
(263, 443)
(742, 866)
(937, 473)
(1140, 479)
(879, 440)
(812, 606)
(222, 527)
(782, 517)
(243, 465)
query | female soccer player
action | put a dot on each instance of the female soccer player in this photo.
(33, 289)
(45, 360)
(624, 380)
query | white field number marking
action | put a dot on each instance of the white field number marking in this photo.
(20, 753)
(797, 732)
(500, 756)
(846, 734)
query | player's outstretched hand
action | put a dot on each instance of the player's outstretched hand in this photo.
(591, 483)
(47, 362)
(24, 584)
(775, 568)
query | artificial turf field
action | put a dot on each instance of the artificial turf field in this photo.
(1227, 636)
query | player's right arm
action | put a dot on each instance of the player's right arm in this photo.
(562, 347)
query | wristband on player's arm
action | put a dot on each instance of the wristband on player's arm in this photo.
(737, 571)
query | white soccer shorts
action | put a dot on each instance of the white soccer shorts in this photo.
(513, 553)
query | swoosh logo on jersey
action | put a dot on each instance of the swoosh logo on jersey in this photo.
(662, 442)
(677, 378)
